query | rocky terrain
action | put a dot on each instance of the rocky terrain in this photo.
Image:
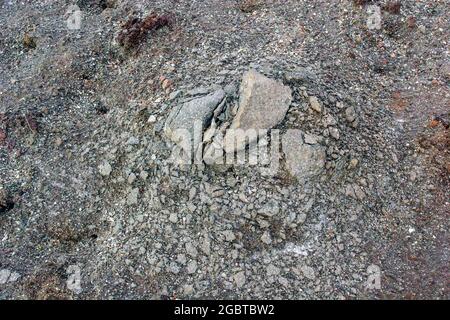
(115, 140)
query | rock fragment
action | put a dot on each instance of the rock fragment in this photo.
(315, 104)
(350, 114)
(334, 132)
(239, 279)
(308, 272)
(302, 160)
(263, 104)
(180, 124)
(132, 197)
(105, 168)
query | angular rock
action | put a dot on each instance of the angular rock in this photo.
(301, 75)
(315, 104)
(196, 111)
(263, 104)
(239, 279)
(334, 133)
(302, 160)
(350, 114)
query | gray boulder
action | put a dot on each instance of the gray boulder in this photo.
(263, 104)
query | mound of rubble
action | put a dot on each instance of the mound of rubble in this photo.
(213, 127)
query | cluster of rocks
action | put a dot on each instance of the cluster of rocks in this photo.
(211, 127)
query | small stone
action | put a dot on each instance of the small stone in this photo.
(229, 235)
(445, 70)
(359, 193)
(191, 250)
(58, 141)
(14, 276)
(308, 272)
(270, 209)
(166, 83)
(133, 196)
(181, 259)
(143, 175)
(334, 132)
(192, 267)
(353, 163)
(205, 246)
(188, 289)
(4, 275)
(266, 238)
(173, 267)
(349, 192)
(192, 193)
(182, 120)
(239, 279)
(330, 121)
(300, 75)
(272, 270)
(315, 104)
(173, 217)
(132, 141)
(301, 218)
(105, 168)
(152, 119)
(131, 178)
(350, 114)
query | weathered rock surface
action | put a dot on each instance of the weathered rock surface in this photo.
(187, 115)
(263, 104)
(302, 160)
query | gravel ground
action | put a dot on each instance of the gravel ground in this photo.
(87, 191)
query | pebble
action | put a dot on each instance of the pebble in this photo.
(266, 238)
(131, 178)
(239, 279)
(133, 196)
(334, 133)
(192, 267)
(330, 121)
(132, 141)
(105, 169)
(350, 114)
(8, 276)
(229, 235)
(353, 163)
(191, 250)
(173, 217)
(272, 270)
(308, 272)
(4, 276)
(315, 104)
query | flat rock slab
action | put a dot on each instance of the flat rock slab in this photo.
(302, 160)
(263, 104)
